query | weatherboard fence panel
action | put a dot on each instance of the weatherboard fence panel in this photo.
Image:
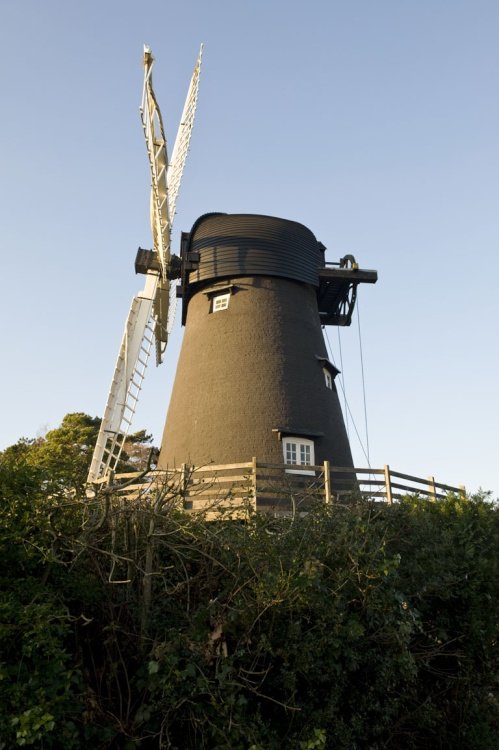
(271, 487)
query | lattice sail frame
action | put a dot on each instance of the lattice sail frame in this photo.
(150, 318)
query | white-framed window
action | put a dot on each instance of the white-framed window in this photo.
(328, 378)
(220, 302)
(299, 452)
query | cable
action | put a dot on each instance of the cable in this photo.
(347, 408)
(343, 382)
(363, 386)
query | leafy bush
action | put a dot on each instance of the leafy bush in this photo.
(139, 626)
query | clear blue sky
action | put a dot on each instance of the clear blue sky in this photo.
(376, 124)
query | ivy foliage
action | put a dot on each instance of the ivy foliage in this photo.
(356, 627)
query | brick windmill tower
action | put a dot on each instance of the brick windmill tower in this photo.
(253, 377)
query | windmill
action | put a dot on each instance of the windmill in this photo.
(150, 318)
(253, 378)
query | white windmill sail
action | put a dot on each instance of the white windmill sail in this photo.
(176, 166)
(148, 319)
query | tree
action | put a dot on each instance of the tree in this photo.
(61, 458)
(136, 451)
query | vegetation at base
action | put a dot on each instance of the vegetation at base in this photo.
(128, 626)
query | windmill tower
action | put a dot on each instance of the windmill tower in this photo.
(254, 378)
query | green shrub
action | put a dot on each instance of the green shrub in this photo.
(357, 627)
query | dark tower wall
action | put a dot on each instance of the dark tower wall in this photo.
(253, 373)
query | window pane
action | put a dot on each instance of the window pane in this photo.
(290, 453)
(305, 454)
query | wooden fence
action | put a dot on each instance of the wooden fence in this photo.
(236, 489)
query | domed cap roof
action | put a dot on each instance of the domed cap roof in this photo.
(231, 245)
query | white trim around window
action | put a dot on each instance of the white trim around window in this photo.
(220, 302)
(299, 452)
(328, 378)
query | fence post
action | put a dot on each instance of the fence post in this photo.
(432, 489)
(183, 482)
(253, 479)
(388, 484)
(327, 482)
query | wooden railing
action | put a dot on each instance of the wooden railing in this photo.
(236, 488)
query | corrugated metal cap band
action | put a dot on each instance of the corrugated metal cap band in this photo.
(231, 245)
